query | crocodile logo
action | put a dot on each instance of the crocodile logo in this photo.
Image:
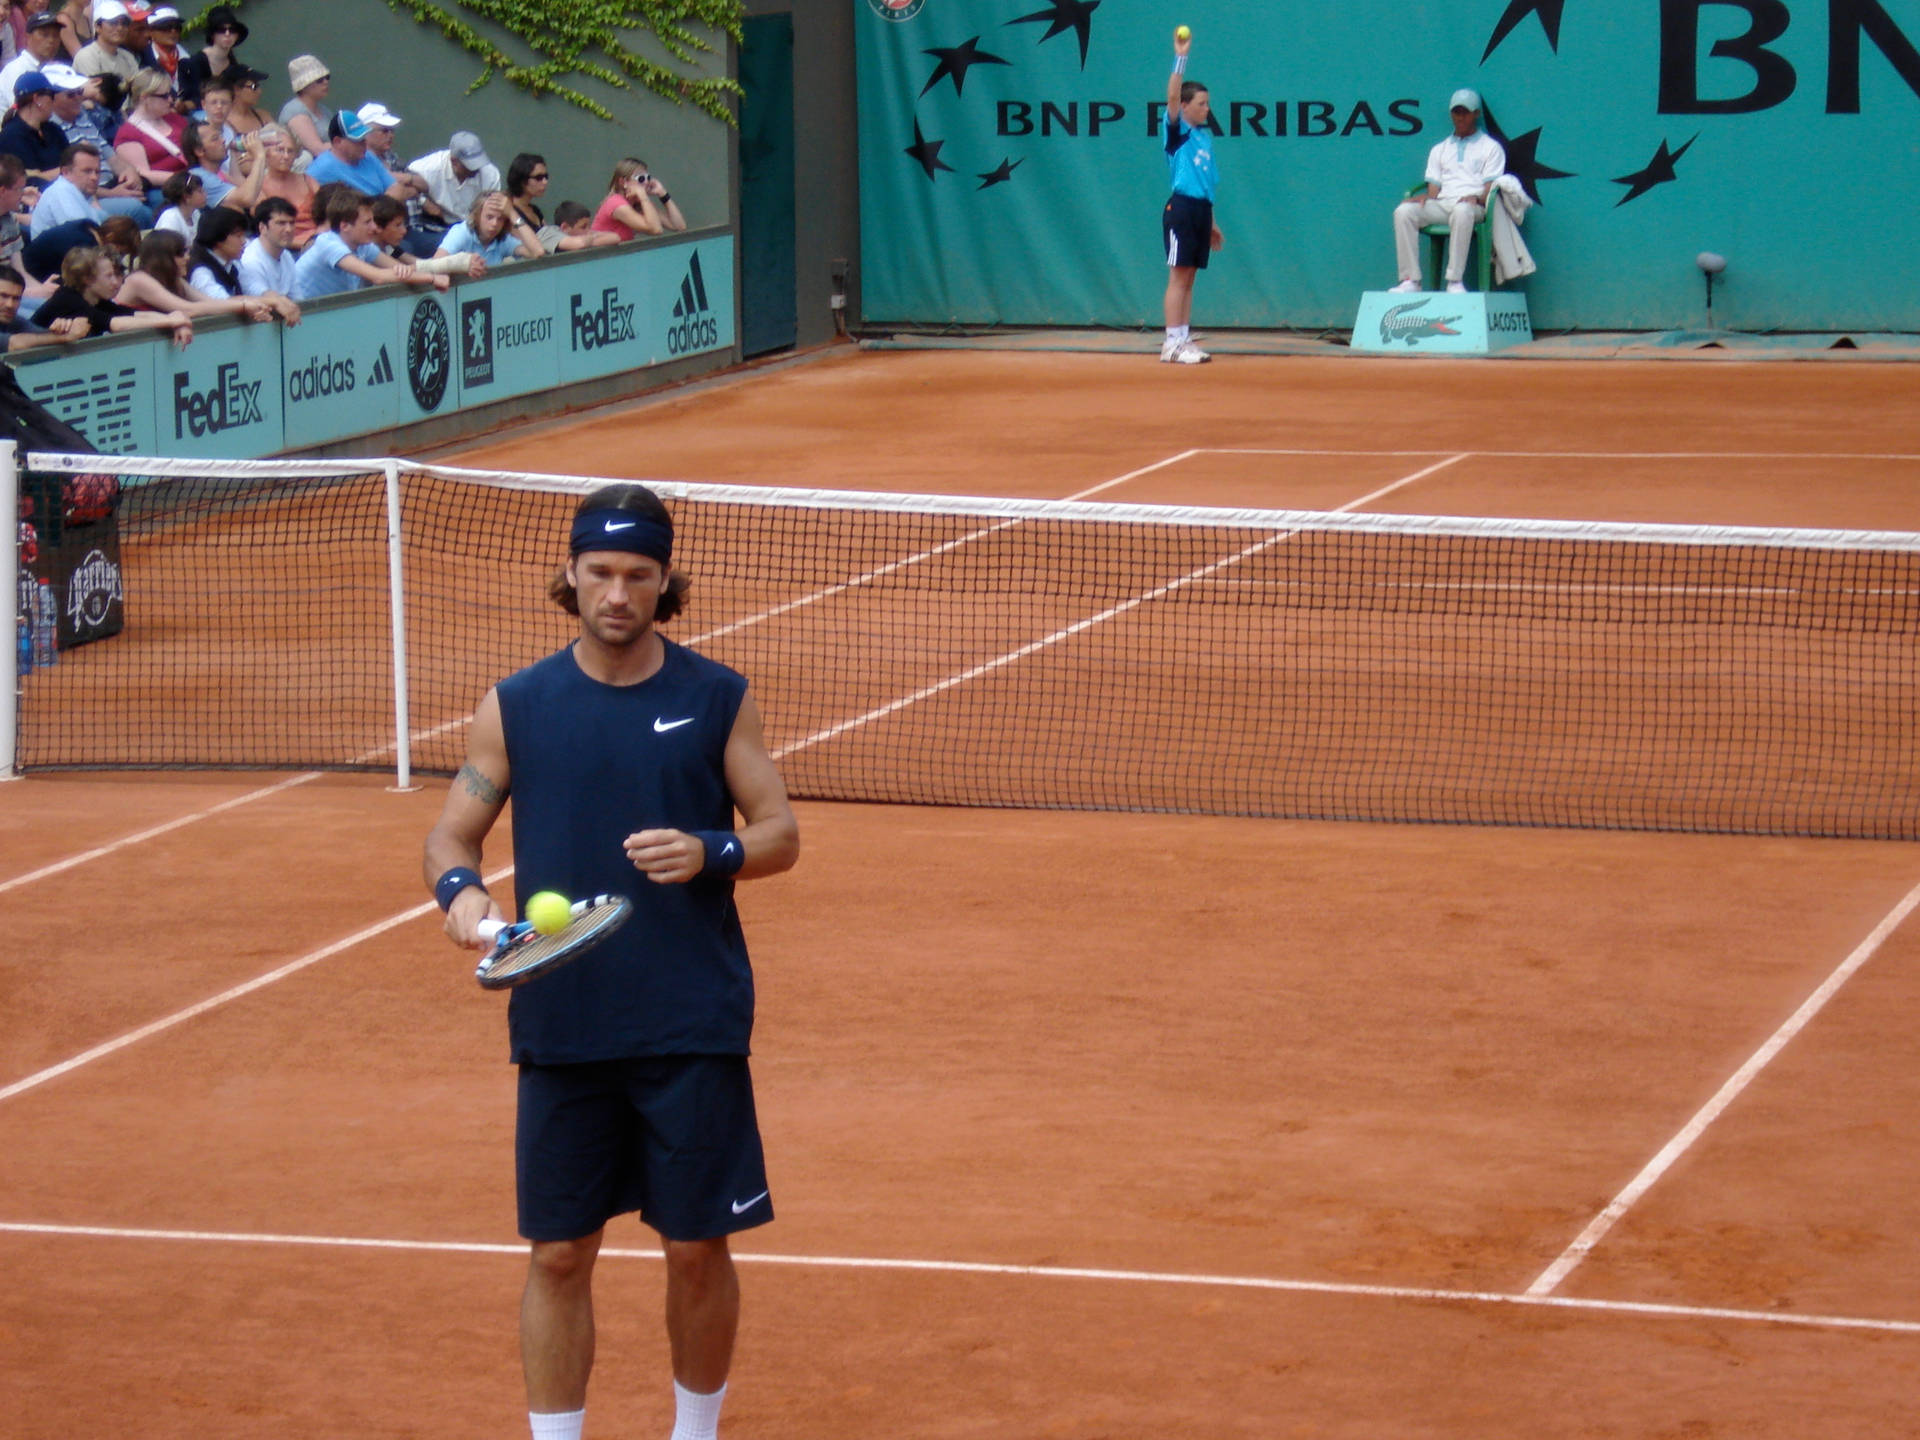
(1400, 323)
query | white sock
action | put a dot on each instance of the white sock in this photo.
(558, 1425)
(696, 1417)
(1177, 332)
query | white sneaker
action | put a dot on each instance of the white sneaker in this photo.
(1406, 287)
(1456, 287)
(1169, 349)
(1188, 354)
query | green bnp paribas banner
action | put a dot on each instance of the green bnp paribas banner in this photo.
(1011, 169)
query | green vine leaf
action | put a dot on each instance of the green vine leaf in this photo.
(587, 39)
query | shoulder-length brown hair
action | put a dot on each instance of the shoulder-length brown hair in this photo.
(641, 501)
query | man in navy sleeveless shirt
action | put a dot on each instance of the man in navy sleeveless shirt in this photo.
(626, 756)
(1187, 230)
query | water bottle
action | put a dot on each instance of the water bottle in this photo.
(23, 647)
(46, 628)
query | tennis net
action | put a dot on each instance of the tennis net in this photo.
(968, 651)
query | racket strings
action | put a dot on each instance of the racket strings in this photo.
(535, 950)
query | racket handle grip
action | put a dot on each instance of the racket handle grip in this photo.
(489, 930)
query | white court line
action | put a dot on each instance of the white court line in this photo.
(1041, 1272)
(214, 1002)
(1597, 1229)
(1067, 632)
(99, 852)
(168, 1022)
(827, 592)
(103, 850)
(1581, 454)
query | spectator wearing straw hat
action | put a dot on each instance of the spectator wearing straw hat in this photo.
(306, 116)
(109, 53)
(42, 47)
(452, 179)
(225, 34)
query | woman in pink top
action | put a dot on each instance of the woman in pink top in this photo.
(636, 204)
(152, 143)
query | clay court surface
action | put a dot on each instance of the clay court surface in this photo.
(1080, 1125)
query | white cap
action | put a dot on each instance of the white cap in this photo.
(108, 10)
(64, 77)
(1465, 100)
(374, 113)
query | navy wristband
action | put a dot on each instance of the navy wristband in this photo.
(725, 853)
(449, 885)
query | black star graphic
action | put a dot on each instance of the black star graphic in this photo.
(1549, 12)
(1523, 162)
(927, 152)
(957, 62)
(1074, 15)
(1659, 171)
(1002, 175)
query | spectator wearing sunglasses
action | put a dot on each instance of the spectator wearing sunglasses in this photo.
(527, 181)
(225, 34)
(637, 203)
(162, 51)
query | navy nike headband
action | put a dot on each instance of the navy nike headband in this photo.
(623, 530)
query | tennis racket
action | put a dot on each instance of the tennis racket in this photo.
(520, 953)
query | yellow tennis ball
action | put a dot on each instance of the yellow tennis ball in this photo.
(548, 912)
(1183, 33)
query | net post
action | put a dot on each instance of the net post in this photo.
(10, 587)
(396, 585)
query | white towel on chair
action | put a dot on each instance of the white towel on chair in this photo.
(1511, 258)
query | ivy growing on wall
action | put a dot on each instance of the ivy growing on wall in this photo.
(577, 39)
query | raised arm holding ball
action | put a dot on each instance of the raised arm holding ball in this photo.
(1186, 223)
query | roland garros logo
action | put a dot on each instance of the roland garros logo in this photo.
(897, 9)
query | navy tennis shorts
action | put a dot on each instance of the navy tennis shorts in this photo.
(673, 1137)
(1186, 230)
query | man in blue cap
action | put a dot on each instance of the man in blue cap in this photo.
(1461, 173)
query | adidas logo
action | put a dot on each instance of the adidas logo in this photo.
(382, 370)
(694, 327)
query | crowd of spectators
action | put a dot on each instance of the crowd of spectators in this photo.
(145, 183)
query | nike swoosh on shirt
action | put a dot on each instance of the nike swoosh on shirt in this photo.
(660, 727)
(740, 1207)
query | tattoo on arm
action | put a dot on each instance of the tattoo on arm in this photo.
(479, 786)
